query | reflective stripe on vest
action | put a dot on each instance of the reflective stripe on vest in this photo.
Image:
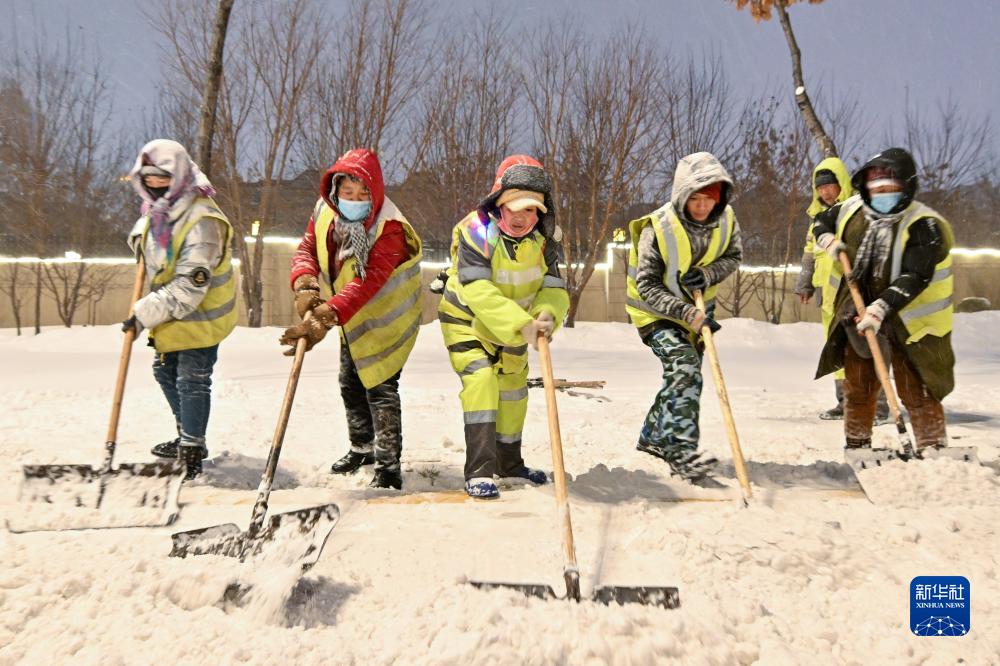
(216, 315)
(847, 210)
(675, 249)
(931, 312)
(382, 333)
(518, 278)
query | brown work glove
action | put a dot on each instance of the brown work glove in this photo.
(313, 329)
(307, 296)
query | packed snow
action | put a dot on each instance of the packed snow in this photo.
(810, 572)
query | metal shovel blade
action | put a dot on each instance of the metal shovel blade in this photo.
(665, 597)
(862, 459)
(294, 537)
(537, 591)
(59, 497)
(962, 453)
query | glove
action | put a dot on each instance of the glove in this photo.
(307, 295)
(695, 280)
(530, 332)
(831, 245)
(312, 329)
(546, 323)
(874, 314)
(700, 319)
(132, 324)
(439, 283)
(805, 295)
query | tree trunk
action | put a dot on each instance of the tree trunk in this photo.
(206, 123)
(38, 298)
(812, 121)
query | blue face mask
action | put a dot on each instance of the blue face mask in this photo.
(886, 201)
(355, 211)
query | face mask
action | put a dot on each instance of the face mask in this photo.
(885, 202)
(355, 211)
(157, 192)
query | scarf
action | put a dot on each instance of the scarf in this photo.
(875, 245)
(352, 241)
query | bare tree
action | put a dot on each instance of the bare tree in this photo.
(206, 123)
(369, 73)
(463, 127)
(761, 10)
(951, 150)
(740, 290)
(601, 136)
(11, 285)
(52, 118)
(261, 95)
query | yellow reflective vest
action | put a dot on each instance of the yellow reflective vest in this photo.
(931, 312)
(216, 315)
(382, 333)
(675, 249)
(500, 299)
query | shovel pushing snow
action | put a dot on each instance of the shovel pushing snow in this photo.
(294, 537)
(81, 496)
(865, 458)
(667, 597)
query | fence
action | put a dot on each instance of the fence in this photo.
(103, 285)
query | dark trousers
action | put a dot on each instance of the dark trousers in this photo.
(186, 380)
(374, 419)
(861, 388)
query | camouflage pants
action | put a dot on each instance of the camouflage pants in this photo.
(374, 419)
(672, 422)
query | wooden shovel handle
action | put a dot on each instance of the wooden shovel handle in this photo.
(727, 412)
(555, 443)
(123, 361)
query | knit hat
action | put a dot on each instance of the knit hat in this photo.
(826, 177)
(518, 200)
(153, 170)
(713, 191)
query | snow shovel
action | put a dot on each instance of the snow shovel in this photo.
(727, 412)
(294, 537)
(666, 597)
(865, 458)
(84, 497)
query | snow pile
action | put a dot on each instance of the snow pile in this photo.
(811, 572)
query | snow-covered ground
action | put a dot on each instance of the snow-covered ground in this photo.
(811, 573)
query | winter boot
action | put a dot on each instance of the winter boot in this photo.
(481, 487)
(387, 478)
(352, 461)
(833, 414)
(169, 449)
(692, 466)
(536, 476)
(853, 443)
(191, 456)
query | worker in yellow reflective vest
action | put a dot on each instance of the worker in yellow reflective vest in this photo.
(185, 241)
(692, 243)
(360, 242)
(503, 289)
(831, 185)
(900, 254)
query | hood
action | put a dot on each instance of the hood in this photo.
(904, 168)
(363, 164)
(521, 172)
(170, 156)
(839, 169)
(693, 173)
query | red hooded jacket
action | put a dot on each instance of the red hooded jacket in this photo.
(388, 252)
